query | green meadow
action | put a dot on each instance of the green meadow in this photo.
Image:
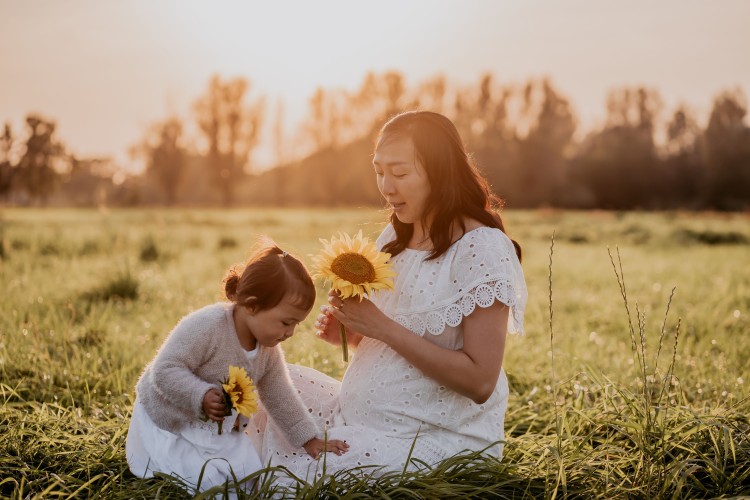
(632, 380)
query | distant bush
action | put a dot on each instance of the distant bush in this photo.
(710, 237)
(49, 248)
(637, 234)
(89, 247)
(19, 244)
(122, 286)
(227, 242)
(577, 238)
(149, 250)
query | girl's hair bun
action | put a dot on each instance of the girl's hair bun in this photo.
(231, 282)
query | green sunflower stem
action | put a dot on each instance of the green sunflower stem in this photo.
(344, 347)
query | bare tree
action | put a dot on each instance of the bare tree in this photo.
(727, 150)
(619, 163)
(6, 166)
(231, 127)
(165, 156)
(37, 173)
(543, 150)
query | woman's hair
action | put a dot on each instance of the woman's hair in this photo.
(268, 276)
(457, 188)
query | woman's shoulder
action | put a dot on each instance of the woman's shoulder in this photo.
(481, 238)
(387, 235)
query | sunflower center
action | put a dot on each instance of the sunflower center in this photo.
(354, 268)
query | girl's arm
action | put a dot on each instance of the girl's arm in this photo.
(172, 374)
(472, 371)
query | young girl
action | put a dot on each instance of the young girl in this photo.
(169, 431)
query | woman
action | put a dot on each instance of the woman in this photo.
(427, 375)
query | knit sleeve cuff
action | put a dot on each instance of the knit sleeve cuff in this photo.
(303, 432)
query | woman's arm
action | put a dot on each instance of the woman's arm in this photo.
(472, 371)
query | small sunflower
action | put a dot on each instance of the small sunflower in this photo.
(354, 266)
(240, 391)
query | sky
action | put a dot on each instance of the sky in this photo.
(105, 71)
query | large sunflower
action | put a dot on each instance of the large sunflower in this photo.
(354, 266)
(239, 389)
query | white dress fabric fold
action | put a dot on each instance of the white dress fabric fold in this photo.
(196, 448)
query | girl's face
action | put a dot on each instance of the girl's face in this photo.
(271, 326)
(402, 179)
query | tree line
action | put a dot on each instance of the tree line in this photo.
(524, 137)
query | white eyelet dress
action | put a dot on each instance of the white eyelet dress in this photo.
(383, 402)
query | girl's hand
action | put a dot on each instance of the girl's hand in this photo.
(363, 316)
(316, 446)
(327, 328)
(213, 405)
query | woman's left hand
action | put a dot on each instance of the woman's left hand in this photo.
(363, 316)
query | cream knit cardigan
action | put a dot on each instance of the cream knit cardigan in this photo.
(196, 356)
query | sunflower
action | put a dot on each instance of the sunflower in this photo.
(239, 389)
(354, 266)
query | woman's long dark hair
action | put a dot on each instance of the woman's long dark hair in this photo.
(457, 188)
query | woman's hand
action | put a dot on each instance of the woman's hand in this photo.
(327, 328)
(363, 316)
(213, 405)
(316, 446)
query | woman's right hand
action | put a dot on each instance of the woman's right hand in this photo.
(327, 328)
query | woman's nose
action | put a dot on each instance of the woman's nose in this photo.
(388, 185)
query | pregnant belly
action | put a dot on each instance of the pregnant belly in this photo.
(382, 391)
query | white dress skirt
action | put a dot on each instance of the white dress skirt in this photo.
(196, 449)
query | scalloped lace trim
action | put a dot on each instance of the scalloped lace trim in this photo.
(483, 295)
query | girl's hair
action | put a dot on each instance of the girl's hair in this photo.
(457, 188)
(268, 276)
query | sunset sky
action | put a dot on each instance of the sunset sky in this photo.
(106, 70)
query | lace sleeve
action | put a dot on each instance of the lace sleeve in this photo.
(481, 269)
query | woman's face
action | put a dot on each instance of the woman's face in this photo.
(402, 179)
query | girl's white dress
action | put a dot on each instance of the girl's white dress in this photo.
(197, 448)
(384, 405)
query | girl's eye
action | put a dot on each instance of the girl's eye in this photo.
(398, 176)
(285, 323)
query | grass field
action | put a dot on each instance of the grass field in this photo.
(88, 296)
